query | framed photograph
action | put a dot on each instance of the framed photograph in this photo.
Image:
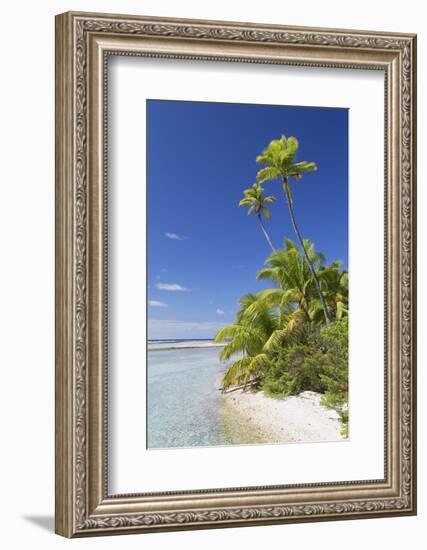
(235, 274)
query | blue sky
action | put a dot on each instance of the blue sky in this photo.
(204, 251)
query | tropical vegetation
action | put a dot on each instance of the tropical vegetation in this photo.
(293, 336)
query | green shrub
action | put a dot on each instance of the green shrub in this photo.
(295, 370)
(318, 363)
(335, 378)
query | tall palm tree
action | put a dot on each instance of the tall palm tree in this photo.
(279, 161)
(256, 201)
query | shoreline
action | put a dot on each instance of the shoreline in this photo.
(293, 419)
(196, 346)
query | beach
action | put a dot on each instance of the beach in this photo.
(186, 407)
(293, 419)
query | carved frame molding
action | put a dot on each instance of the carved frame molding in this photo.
(83, 43)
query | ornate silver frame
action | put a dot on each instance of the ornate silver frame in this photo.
(83, 42)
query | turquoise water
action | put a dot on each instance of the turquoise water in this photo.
(186, 407)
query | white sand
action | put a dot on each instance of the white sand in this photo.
(292, 419)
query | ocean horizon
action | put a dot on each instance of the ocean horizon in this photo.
(159, 344)
(180, 339)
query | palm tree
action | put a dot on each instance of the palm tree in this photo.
(279, 161)
(289, 269)
(245, 339)
(334, 284)
(255, 200)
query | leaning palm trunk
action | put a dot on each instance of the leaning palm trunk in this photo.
(298, 234)
(266, 235)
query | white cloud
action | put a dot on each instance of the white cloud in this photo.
(156, 303)
(159, 328)
(174, 236)
(171, 286)
(219, 312)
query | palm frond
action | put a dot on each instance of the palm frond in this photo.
(275, 341)
(235, 372)
(342, 310)
(292, 145)
(263, 159)
(258, 364)
(304, 166)
(267, 273)
(267, 174)
(277, 297)
(246, 341)
(226, 333)
(247, 201)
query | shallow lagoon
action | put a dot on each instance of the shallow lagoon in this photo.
(186, 407)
